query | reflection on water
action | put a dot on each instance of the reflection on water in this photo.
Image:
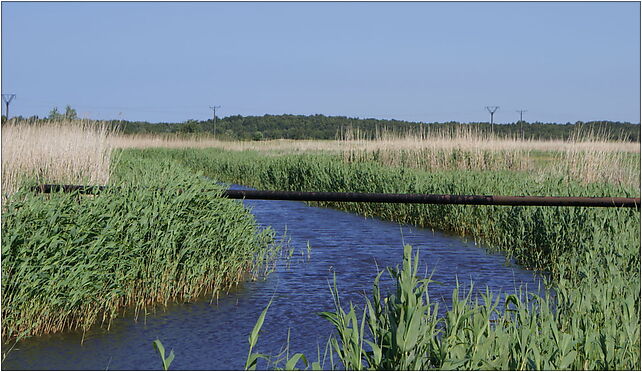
(213, 336)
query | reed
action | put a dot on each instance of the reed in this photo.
(585, 157)
(461, 138)
(71, 261)
(591, 256)
(80, 152)
(585, 328)
(56, 151)
(536, 236)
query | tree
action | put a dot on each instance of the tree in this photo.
(257, 136)
(70, 114)
(190, 126)
(54, 114)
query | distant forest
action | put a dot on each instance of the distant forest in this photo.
(334, 127)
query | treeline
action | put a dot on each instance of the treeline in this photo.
(239, 127)
(332, 127)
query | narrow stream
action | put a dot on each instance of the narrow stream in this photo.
(214, 336)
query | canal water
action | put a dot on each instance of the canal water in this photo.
(213, 335)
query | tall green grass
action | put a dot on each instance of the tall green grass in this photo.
(71, 261)
(537, 237)
(591, 254)
(404, 331)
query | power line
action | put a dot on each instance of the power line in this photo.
(7, 98)
(492, 110)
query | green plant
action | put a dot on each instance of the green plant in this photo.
(71, 261)
(405, 330)
(166, 361)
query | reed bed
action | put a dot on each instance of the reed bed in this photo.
(352, 140)
(71, 261)
(57, 151)
(590, 254)
(80, 152)
(536, 236)
(586, 157)
(595, 165)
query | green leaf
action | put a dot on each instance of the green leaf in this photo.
(413, 331)
(169, 360)
(376, 350)
(291, 364)
(158, 345)
(254, 336)
(567, 360)
(252, 360)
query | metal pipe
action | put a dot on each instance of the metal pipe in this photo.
(557, 201)
(434, 198)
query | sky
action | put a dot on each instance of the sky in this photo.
(428, 62)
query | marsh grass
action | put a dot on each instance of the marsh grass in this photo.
(535, 236)
(591, 256)
(80, 152)
(585, 157)
(69, 262)
(578, 329)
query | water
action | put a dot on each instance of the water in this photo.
(209, 335)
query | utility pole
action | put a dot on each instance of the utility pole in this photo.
(214, 109)
(492, 110)
(521, 122)
(7, 98)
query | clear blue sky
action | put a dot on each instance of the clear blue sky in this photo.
(410, 61)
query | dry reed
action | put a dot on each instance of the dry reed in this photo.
(584, 157)
(80, 151)
(464, 140)
(56, 151)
